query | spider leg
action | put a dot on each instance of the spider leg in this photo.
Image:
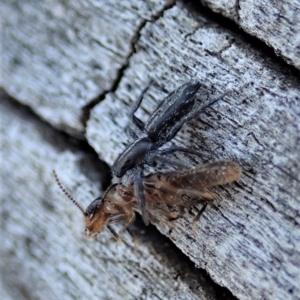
(179, 149)
(203, 107)
(196, 219)
(132, 134)
(139, 192)
(171, 162)
(135, 120)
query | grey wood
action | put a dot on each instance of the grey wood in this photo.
(248, 241)
(43, 252)
(277, 23)
(58, 56)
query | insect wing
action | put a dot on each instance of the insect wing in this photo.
(188, 187)
(205, 176)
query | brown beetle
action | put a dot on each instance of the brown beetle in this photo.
(166, 194)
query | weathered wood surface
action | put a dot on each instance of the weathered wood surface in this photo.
(275, 22)
(250, 240)
(66, 54)
(43, 252)
(58, 56)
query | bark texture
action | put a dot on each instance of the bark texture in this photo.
(80, 66)
(276, 23)
(43, 252)
(60, 55)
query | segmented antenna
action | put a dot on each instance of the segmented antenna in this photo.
(66, 193)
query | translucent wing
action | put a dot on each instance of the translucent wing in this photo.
(166, 193)
(188, 187)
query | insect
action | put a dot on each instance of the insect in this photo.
(168, 118)
(167, 194)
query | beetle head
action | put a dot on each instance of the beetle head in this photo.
(96, 217)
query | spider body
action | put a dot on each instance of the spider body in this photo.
(165, 122)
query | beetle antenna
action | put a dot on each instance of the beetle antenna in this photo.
(66, 193)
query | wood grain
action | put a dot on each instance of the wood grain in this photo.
(276, 23)
(80, 68)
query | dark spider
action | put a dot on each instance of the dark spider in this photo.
(168, 118)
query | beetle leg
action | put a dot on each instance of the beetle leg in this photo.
(116, 235)
(117, 218)
(130, 219)
(139, 192)
(133, 238)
